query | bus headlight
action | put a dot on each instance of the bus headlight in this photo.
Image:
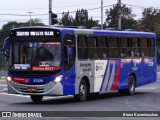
(9, 78)
(55, 81)
(58, 79)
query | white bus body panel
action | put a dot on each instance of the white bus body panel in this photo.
(93, 70)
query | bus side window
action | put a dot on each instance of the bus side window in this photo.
(151, 47)
(144, 43)
(82, 47)
(102, 47)
(114, 51)
(125, 52)
(92, 47)
(125, 43)
(69, 52)
(135, 48)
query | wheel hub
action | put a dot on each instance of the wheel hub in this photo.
(82, 91)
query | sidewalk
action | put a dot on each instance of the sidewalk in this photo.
(3, 80)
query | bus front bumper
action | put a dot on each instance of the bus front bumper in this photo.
(45, 90)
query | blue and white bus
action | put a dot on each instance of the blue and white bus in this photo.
(56, 61)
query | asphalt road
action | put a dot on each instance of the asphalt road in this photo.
(147, 98)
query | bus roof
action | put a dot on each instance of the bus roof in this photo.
(92, 31)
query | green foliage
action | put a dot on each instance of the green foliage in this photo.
(150, 21)
(126, 17)
(67, 20)
(81, 19)
(151, 16)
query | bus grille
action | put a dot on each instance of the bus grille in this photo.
(38, 90)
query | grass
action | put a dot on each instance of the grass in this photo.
(3, 78)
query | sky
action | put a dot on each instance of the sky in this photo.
(17, 10)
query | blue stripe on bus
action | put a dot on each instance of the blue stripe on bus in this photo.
(104, 75)
(111, 67)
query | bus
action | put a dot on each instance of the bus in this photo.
(59, 61)
(158, 55)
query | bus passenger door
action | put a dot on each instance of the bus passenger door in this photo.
(69, 65)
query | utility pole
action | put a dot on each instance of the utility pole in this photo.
(102, 14)
(50, 12)
(119, 14)
(30, 17)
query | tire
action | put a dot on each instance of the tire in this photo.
(36, 98)
(82, 96)
(131, 87)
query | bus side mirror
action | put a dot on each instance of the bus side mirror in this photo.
(5, 49)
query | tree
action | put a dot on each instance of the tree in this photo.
(151, 21)
(150, 18)
(92, 23)
(82, 19)
(126, 15)
(67, 20)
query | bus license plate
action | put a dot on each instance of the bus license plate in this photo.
(31, 89)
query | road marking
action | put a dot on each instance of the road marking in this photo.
(146, 88)
(3, 85)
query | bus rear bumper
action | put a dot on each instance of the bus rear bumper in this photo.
(45, 90)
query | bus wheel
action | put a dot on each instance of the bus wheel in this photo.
(82, 96)
(36, 98)
(131, 87)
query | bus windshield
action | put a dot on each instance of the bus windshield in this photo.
(36, 56)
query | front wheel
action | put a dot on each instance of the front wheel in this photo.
(36, 98)
(131, 87)
(82, 96)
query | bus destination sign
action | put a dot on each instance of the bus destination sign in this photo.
(34, 33)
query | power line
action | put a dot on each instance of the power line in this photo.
(86, 9)
(56, 13)
(90, 9)
(58, 6)
(82, 4)
(137, 6)
(23, 14)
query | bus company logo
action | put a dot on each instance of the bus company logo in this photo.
(27, 81)
(99, 68)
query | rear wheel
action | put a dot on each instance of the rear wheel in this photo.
(82, 96)
(131, 87)
(36, 98)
